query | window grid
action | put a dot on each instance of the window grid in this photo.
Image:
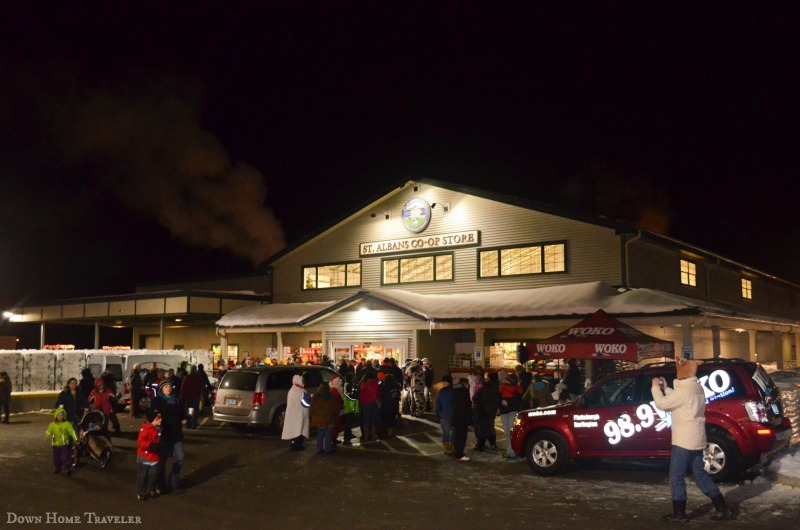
(436, 268)
(688, 273)
(747, 289)
(331, 276)
(554, 260)
(534, 259)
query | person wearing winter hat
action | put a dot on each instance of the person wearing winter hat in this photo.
(337, 390)
(444, 409)
(296, 425)
(102, 399)
(147, 456)
(687, 403)
(61, 435)
(171, 443)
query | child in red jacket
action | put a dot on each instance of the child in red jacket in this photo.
(147, 456)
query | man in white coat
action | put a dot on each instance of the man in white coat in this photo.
(687, 403)
(296, 420)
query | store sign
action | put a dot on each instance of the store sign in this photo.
(456, 239)
(416, 215)
(586, 332)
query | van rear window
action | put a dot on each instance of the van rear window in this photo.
(116, 371)
(239, 381)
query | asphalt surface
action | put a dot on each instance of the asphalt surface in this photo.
(251, 480)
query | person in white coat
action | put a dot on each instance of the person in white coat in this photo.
(687, 403)
(296, 420)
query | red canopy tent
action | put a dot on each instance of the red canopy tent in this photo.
(601, 337)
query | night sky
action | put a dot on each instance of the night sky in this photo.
(145, 142)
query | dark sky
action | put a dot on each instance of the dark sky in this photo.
(142, 142)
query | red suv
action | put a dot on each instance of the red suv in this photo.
(616, 418)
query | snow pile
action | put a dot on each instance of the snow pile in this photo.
(787, 465)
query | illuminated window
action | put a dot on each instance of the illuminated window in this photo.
(514, 261)
(688, 273)
(438, 268)
(554, 260)
(332, 275)
(747, 289)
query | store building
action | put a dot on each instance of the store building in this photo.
(460, 276)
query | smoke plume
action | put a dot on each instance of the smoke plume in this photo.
(148, 146)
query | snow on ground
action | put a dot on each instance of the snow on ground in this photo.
(788, 464)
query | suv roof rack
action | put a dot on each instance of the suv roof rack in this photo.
(711, 360)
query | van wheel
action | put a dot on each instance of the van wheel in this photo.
(720, 457)
(546, 452)
(278, 418)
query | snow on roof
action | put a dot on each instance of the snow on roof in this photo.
(580, 299)
(272, 314)
(577, 300)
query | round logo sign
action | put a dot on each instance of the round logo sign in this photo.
(416, 215)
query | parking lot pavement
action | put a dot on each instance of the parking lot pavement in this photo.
(251, 480)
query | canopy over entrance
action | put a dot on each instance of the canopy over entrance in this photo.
(601, 337)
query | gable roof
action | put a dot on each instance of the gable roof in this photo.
(493, 196)
(618, 226)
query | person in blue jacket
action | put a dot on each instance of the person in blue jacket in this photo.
(444, 409)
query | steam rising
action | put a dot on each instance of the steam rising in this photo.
(150, 148)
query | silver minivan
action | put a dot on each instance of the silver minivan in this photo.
(257, 395)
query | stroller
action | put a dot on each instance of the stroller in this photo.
(93, 439)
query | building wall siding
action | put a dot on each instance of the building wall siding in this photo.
(656, 266)
(593, 252)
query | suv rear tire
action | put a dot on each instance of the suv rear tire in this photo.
(721, 458)
(546, 452)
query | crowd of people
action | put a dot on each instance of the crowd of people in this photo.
(479, 398)
(376, 392)
(372, 392)
(171, 400)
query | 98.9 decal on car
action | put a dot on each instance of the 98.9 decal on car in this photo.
(715, 385)
(625, 428)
